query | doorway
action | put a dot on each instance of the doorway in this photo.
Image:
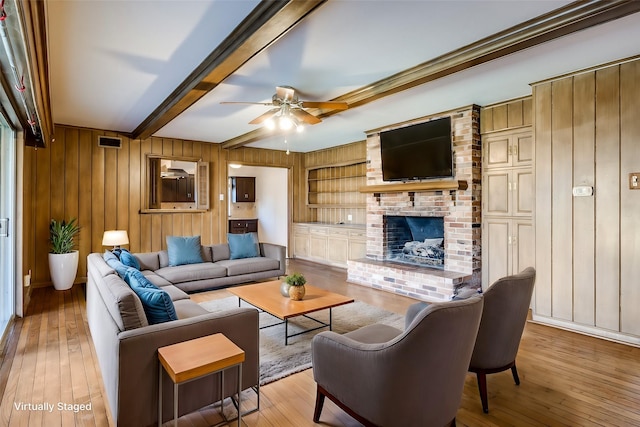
(271, 206)
(7, 224)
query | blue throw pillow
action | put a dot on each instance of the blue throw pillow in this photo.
(183, 250)
(157, 304)
(128, 259)
(243, 245)
(115, 263)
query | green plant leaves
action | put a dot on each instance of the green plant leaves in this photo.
(62, 234)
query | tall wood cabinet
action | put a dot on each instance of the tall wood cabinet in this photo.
(508, 239)
(243, 189)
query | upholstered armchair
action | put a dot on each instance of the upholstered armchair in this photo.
(383, 376)
(506, 306)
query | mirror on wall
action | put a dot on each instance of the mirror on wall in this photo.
(176, 184)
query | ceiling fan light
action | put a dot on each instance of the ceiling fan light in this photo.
(270, 124)
(285, 122)
(299, 128)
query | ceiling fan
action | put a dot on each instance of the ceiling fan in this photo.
(289, 111)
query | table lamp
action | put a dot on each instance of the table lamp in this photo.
(115, 238)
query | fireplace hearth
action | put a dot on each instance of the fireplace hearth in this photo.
(415, 240)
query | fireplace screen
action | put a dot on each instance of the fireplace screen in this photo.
(415, 240)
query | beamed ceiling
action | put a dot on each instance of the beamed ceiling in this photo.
(159, 68)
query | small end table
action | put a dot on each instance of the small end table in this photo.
(196, 358)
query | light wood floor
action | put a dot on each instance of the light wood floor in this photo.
(567, 379)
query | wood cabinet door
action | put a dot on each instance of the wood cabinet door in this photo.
(496, 250)
(243, 189)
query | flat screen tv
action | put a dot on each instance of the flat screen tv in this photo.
(415, 152)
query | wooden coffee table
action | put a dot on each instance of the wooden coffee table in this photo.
(266, 296)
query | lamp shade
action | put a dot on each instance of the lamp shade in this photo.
(115, 238)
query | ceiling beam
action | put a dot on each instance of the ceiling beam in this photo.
(266, 23)
(557, 23)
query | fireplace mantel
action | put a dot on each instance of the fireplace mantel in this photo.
(446, 185)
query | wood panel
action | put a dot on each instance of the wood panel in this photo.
(607, 224)
(542, 135)
(506, 115)
(562, 183)
(602, 229)
(630, 199)
(102, 187)
(583, 207)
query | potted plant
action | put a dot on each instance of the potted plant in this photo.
(296, 283)
(63, 258)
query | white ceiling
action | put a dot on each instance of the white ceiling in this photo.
(113, 62)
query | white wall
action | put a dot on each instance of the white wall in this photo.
(271, 205)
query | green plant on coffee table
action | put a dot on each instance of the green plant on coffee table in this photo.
(62, 234)
(295, 279)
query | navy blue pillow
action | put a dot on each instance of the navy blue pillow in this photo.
(157, 303)
(115, 263)
(128, 259)
(243, 245)
(184, 250)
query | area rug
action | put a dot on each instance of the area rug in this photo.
(277, 360)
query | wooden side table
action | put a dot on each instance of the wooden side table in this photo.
(193, 359)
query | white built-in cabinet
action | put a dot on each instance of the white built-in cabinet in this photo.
(329, 244)
(508, 238)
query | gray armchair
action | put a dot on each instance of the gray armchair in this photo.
(382, 376)
(506, 306)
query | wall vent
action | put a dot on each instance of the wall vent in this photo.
(109, 142)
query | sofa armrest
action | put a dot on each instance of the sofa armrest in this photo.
(278, 252)
(138, 363)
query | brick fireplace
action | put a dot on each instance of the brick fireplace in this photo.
(458, 209)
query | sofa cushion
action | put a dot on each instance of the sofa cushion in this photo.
(243, 245)
(175, 293)
(128, 259)
(192, 272)
(157, 303)
(236, 267)
(220, 252)
(123, 304)
(184, 250)
(188, 308)
(159, 281)
(148, 261)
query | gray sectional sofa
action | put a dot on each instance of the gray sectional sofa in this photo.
(126, 344)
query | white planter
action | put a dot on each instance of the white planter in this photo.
(63, 269)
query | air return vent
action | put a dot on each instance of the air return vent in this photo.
(109, 142)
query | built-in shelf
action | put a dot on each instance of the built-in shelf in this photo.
(445, 185)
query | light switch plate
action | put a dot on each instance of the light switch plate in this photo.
(634, 181)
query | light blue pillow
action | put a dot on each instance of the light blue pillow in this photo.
(128, 259)
(157, 303)
(183, 250)
(243, 245)
(115, 263)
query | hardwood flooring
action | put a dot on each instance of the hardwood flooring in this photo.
(567, 379)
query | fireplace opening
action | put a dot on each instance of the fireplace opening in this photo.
(415, 240)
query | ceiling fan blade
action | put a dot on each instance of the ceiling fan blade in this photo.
(243, 102)
(262, 117)
(328, 105)
(304, 116)
(285, 93)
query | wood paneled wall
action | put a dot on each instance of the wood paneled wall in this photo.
(587, 133)
(103, 188)
(506, 115)
(337, 156)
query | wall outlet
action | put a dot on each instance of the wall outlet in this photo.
(349, 217)
(634, 181)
